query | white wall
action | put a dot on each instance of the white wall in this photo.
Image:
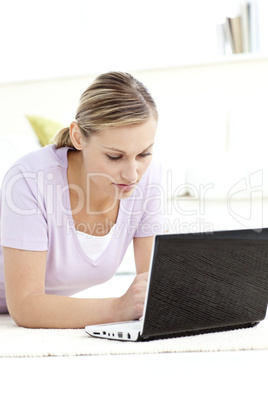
(205, 110)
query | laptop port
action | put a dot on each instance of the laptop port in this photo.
(103, 332)
(128, 336)
(96, 333)
(120, 334)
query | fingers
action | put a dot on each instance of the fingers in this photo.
(132, 302)
(139, 287)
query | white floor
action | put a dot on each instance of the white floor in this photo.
(222, 376)
(214, 376)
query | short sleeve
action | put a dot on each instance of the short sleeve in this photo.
(152, 221)
(23, 213)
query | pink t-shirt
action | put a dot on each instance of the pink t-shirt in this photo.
(36, 215)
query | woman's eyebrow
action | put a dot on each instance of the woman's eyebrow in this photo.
(123, 152)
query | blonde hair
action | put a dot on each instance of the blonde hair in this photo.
(114, 99)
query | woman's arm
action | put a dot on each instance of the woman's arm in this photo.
(29, 306)
(142, 253)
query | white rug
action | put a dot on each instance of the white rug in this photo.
(23, 342)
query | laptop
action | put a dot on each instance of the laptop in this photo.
(199, 283)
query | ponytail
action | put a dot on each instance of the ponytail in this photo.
(62, 138)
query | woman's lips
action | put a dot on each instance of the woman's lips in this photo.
(125, 187)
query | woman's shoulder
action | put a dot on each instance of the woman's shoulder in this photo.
(30, 167)
(41, 159)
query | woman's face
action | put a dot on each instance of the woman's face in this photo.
(116, 158)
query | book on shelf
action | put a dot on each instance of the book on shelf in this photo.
(253, 16)
(245, 27)
(236, 33)
(240, 33)
(225, 39)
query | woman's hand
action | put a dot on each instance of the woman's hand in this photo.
(30, 307)
(132, 302)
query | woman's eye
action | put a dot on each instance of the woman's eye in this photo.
(145, 154)
(113, 158)
(116, 158)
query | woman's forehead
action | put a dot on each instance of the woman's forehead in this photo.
(123, 137)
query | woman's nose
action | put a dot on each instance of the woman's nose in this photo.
(130, 172)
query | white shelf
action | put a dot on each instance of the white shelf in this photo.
(235, 58)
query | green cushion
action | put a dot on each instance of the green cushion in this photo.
(44, 128)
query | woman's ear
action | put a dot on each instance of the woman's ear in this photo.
(76, 136)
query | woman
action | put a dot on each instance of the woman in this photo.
(70, 210)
